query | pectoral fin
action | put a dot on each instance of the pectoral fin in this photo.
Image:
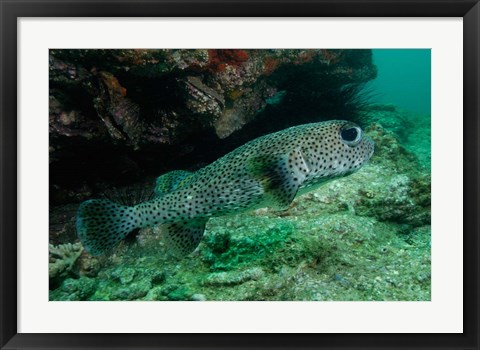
(280, 175)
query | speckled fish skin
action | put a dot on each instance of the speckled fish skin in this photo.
(269, 171)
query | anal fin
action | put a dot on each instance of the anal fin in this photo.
(183, 237)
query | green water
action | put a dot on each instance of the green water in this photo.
(404, 78)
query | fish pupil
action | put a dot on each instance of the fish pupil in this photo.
(349, 134)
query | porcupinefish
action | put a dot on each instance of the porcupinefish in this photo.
(269, 171)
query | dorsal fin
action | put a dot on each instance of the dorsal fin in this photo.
(171, 181)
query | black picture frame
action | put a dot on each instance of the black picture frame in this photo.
(11, 10)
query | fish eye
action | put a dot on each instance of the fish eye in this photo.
(351, 135)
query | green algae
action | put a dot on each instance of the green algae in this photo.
(74, 289)
(223, 252)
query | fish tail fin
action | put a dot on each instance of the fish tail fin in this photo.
(101, 224)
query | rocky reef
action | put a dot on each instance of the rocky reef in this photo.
(118, 116)
(362, 237)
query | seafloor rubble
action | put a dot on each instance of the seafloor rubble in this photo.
(363, 237)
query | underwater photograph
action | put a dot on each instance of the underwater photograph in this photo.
(239, 175)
